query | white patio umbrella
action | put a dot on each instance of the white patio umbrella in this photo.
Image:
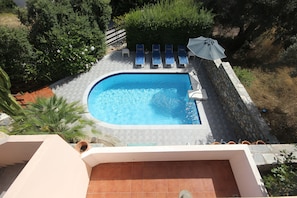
(206, 48)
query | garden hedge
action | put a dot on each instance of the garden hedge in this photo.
(169, 21)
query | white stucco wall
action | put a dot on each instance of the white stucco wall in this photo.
(245, 171)
(55, 170)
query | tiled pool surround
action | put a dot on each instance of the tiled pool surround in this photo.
(203, 128)
(218, 127)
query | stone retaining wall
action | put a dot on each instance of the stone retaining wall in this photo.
(237, 103)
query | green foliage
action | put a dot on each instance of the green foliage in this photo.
(244, 75)
(169, 21)
(69, 49)
(7, 6)
(254, 17)
(120, 7)
(17, 54)
(289, 56)
(8, 104)
(282, 179)
(64, 38)
(53, 116)
(97, 11)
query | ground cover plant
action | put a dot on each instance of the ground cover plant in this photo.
(244, 75)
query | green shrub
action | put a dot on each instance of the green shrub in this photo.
(169, 21)
(244, 75)
(17, 54)
(69, 49)
(63, 38)
(289, 56)
(98, 11)
(120, 7)
(67, 35)
(7, 6)
(282, 179)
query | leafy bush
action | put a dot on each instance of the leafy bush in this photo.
(244, 75)
(98, 11)
(68, 37)
(289, 56)
(7, 6)
(69, 49)
(64, 38)
(282, 179)
(17, 55)
(169, 21)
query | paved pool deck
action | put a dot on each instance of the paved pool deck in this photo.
(215, 128)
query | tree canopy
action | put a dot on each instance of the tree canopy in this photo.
(16, 54)
(253, 17)
(62, 38)
(7, 5)
(68, 34)
(120, 7)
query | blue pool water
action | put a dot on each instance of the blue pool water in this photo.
(143, 99)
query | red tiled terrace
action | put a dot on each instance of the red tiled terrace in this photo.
(205, 178)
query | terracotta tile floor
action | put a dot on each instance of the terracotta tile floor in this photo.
(162, 179)
(28, 97)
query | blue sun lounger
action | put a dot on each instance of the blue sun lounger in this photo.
(182, 56)
(139, 57)
(156, 55)
(169, 57)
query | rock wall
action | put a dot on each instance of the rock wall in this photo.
(237, 103)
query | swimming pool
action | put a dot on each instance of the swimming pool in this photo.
(143, 99)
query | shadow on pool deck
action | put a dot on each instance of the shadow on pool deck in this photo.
(221, 127)
(75, 89)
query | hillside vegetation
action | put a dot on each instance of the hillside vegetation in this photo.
(257, 48)
(274, 87)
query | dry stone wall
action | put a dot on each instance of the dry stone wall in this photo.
(237, 103)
